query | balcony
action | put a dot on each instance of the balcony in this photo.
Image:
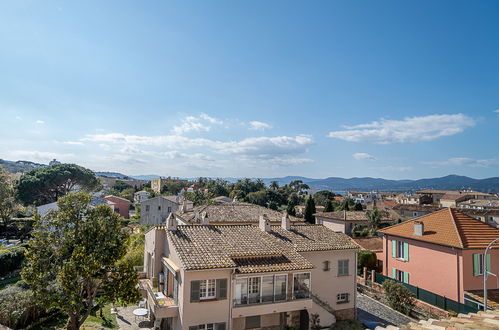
(159, 304)
(270, 304)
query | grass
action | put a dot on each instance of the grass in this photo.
(94, 321)
(348, 325)
(8, 281)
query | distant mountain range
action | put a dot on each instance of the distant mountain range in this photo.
(449, 182)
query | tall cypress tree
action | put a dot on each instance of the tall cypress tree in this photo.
(329, 206)
(310, 210)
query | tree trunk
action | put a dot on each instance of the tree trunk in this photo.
(72, 322)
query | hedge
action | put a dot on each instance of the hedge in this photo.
(11, 258)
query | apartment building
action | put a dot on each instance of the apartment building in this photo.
(121, 205)
(248, 277)
(442, 252)
(344, 221)
(408, 211)
(154, 211)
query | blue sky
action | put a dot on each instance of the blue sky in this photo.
(392, 89)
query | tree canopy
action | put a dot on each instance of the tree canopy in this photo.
(46, 184)
(8, 204)
(74, 255)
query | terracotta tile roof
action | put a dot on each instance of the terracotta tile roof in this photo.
(349, 215)
(415, 208)
(482, 320)
(249, 249)
(313, 238)
(448, 227)
(226, 213)
(243, 247)
(370, 243)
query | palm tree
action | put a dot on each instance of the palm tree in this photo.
(274, 185)
(374, 219)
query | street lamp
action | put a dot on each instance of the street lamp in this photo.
(486, 273)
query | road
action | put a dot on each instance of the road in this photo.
(370, 310)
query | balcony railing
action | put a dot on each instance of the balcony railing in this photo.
(269, 299)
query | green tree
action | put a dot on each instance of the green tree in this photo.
(329, 207)
(8, 204)
(291, 208)
(322, 197)
(74, 254)
(274, 185)
(47, 184)
(257, 197)
(309, 210)
(366, 258)
(357, 207)
(374, 219)
(120, 186)
(398, 296)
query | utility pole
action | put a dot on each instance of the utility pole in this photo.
(486, 273)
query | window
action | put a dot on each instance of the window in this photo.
(147, 208)
(280, 287)
(209, 326)
(478, 263)
(400, 275)
(326, 265)
(254, 290)
(343, 267)
(260, 289)
(252, 322)
(169, 209)
(207, 289)
(400, 250)
(342, 298)
(301, 286)
(159, 207)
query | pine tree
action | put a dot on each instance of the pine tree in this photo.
(310, 210)
(329, 206)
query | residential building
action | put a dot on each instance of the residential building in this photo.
(154, 211)
(344, 221)
(230, 213)
(374, 244)
(121, 205)
(364, 198)
(487, 216)
(449, 198)
(480, 204)
(442, 252)
(248, 277)
(140, 196)
(408, 211)
(382, 205)
(300, 209)
(96, 200)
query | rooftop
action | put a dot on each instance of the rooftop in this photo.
(370, 243)
(415, 208)
(448, 227)
(248, 249)
(350, 215)
(235, 212)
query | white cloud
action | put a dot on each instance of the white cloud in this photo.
(363, 156)
(211, 119)
(195, 124)
(465, 161)
(39, 156)
(18, 118)
(40, 122)
(258, 125)
(255, 146)
(393, 168)
(410, 129)
(497, 111)
(75, 143)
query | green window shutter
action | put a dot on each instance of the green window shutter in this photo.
(476, 264)
(406, 251)
(194, 291)
(220, 326)
(221, 288)
(394, 273)
(406, 277)
(487, 262)
(394, 248)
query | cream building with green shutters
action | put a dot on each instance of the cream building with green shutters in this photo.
(248, 277)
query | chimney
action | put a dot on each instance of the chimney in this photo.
(344, 214)
(184, 206)
(418, 228)
(204, 219)
(171, 222)
(285, 223)
(264, 223)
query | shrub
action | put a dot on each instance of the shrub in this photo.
(367, 258)
(398, 296)
(11, 258)
(19, 307)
